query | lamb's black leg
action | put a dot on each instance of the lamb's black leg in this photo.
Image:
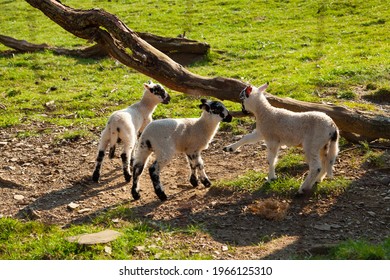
(126, 167)
(154, 171)
(96, 172)
(202, 173)
(137, 170)
(193, 177)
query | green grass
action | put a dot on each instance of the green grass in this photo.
(303, 48)
(290, 171)
(306, 49)
(285, 185)
(36, 241)
(360, 250)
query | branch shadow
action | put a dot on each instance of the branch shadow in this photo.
(6, 184)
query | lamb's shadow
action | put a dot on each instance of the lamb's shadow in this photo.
(78, 190)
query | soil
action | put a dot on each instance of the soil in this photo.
(40, 177)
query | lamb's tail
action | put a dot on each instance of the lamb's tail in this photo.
(332, 152)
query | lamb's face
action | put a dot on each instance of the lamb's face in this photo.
(244, 96)
(248, 95)
(158, 91)
(216, 109)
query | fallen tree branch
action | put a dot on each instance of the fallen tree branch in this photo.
(94, 51)
(182, 50)
(127, 47)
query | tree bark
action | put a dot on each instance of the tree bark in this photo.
(127, 47)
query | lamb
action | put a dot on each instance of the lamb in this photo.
(125, 125)
(167, 137)
(316, 132)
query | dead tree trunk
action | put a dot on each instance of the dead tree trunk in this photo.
(127, 47)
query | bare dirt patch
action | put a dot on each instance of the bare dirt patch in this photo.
(40, 177)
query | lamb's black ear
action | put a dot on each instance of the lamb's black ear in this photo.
(204, 105)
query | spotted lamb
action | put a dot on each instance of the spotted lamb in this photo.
(316, 132)
(168, 137)
(125, 125)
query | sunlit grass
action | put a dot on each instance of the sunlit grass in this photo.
(361, 250)
(301, 48)
(37, 241)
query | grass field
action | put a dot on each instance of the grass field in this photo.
(318, 51)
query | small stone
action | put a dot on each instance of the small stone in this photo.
(95, 238)
(225, 248)
(3, 143)
(18, 197)
(73, 205)
(50, 105)
(108, 250)
(9, 167)
(336, 226)
(81, 211)
(158, 256)
(139, 248)
(323, 227)
(371, 213)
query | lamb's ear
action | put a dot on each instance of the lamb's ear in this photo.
(248, 90)
(263, 87)
(204, 105)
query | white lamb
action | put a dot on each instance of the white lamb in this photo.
(167, 137)
(125, 125)
(316, 132)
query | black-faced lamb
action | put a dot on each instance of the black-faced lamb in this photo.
(125, 125)
(315, 131)
(168, 137)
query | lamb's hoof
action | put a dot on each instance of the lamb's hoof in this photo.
(303, 193)
(127, 176)
(95, 177)
(299, 195)
(161, 195)
(194, 181)
(206, 183)
(135, 195)
(228, 149)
